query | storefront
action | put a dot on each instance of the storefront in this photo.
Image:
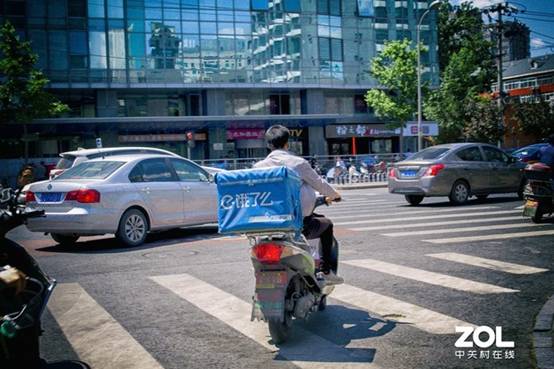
(356, 139)
(250, 142)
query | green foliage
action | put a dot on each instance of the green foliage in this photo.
(395, 68)
(534, 118)
(22, 95)
(482, 124)
(467, 67)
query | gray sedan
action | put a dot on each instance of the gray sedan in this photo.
(124, 195)
(458, 171)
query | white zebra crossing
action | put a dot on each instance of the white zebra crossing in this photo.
(236, 313)
(426, 217)
(462, 229)
(491, 237)
(433, 224)
(424, 319)
(437, 279)
(488, 263)
(377, 213)
(96, 337)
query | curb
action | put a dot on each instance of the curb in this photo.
(542, 336)
(361, 186)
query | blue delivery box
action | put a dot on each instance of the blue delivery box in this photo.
(259, 200)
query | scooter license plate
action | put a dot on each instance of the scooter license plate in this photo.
(273, 279)
(531, 204)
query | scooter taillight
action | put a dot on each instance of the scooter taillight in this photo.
(268, 253)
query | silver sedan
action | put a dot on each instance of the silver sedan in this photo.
(458, 171)
(123, 195)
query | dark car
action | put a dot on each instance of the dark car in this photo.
(529, 154)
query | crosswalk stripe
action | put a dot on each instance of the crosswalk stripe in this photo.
(426, 217)
(357, 210)
(429, 211)
(433, 278)
(97, 338)
(490, 237)
(488, 263)
(236, 313)
(460, 230)
(403, 312)
(347, 204)
(433, 224)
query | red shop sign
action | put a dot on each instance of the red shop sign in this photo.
(245, 134)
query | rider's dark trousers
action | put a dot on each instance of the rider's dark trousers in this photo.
(317, 226)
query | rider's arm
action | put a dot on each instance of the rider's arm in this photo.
(311, 177)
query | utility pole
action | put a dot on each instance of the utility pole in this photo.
(500, 9)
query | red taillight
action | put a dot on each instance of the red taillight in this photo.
(392, 173)
(525, 159)
(30, 196)
(83, 196)
(268, 253)
(433, 170)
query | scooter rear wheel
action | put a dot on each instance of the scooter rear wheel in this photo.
(280, 331)
(537, 218)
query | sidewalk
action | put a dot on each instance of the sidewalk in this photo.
(542, 336)
(360, 186)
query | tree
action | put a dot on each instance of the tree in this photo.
(395, 70)
(22, 94)
(482, 121)
(533, 118)
(467, 70)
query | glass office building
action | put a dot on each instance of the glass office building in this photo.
(149, 71)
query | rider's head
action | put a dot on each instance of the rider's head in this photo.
(550, 139)
(277, 137)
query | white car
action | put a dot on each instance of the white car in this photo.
(126, 195)
(70, 159)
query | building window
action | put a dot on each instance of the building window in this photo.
(279, 104)
(365, 8)
(329, 7)
(96, 8)
(77, 49)
(291, 6)
(76, 8)
(360, 106)
(259, 4)
(330, 49)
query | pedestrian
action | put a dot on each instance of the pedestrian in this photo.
(25, 176)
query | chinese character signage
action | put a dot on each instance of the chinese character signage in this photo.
(245, 134)
(359, 130)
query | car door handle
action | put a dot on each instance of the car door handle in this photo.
(186, 188)
(146, 189)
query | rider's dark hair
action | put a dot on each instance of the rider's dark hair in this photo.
(277, 136)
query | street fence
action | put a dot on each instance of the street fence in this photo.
(343, 169)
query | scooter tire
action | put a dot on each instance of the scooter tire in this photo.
(280, 331)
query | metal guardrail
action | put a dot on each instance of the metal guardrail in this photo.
(348, 169)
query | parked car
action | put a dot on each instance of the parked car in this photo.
(529, 154)
(126, 195)
(458, 171)
(70, 159)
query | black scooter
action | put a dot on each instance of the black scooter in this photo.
(24, 290)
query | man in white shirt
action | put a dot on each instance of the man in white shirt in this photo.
(315, 225)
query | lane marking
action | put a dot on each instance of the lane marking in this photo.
(489, 237)
(403, 312)
(520, 207)
(408, 212)
(437, 279)
(463, 229)
(425, 217)
(429, 224)
(97, 338)
(497, 265)
(236, 313)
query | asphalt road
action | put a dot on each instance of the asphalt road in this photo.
(412, 275)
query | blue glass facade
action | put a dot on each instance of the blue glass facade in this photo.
(140, 58)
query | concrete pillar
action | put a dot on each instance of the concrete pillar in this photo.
(106, 103)
(215, 102)
(315, 104)
(215, 105)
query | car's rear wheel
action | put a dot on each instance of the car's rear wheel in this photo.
(459, 193)
(521, 189)
(414, 199)
(133, 228)
(65, 239)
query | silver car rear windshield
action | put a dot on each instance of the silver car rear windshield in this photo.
(430, 153)
(65, 162)
(91, 170)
